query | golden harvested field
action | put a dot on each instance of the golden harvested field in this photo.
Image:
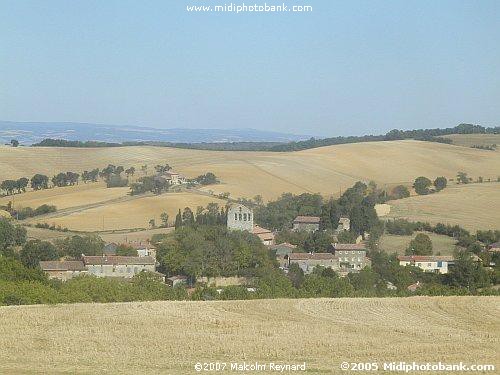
(65, 197)
(473, 206)
(442, 245)
(475, 139)
(170, 337)
(326, 170)
(128, 214)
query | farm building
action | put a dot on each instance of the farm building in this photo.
(173, 178)
(63, 270)
(283, 249)
(428, 263)
(265, 235)
(351, 256)
(306, 223)
(307, 261)
(118, 266)
(240, 217)
(176, 280)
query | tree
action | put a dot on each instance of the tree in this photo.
(126, 250)
(420, 245)
(296, 275)
(467, 273)
(9, 186)
(35, 251)
(347, 237)
(462, 178)
(164, 219)
(152, 223)
(76, 245)
(187, 217)
(39, 181)
(421, 185)
(11, 235)
(14, 142)
(400, 192)
(178, 220)
(440, 183)
(130, 171)
(22, 184)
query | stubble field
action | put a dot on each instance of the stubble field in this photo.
(170, 337)
(473, 206)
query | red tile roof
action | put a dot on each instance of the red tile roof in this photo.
(311, 256)
(349, 246)
(65, 265)
(260, 230)
(307, 219)
(425, 258)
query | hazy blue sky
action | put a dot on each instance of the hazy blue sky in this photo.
(348, 67)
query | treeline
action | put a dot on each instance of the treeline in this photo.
(429, 135)
(49, 142)
(357, 203)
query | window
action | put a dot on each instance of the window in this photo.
(239, 216)
(249, 217)
(244, 217)
(235, 216)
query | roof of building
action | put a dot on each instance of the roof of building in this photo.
(170, 173)
(349, 246)
(307, 219)
(260, 230)
(63, 265)
(311, 256)
(139, 246)
(177, 277)
(117, 260)
(414, 287)
(285, 245)
(425, 258)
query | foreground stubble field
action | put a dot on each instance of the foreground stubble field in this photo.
(170, 337)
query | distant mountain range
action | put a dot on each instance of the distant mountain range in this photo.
(31, 132)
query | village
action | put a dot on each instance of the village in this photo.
(342, 258)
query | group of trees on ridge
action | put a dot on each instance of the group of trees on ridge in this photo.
(431, 135)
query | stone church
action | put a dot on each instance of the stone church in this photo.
(240, 217)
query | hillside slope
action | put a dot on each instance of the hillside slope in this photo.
(170, 337)
(244, 174)
(473, 206)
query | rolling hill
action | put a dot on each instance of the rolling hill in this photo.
(171, 337)
(326, 170)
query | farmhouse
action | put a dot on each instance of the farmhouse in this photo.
(307, 261)
(427, 263)
(173, 178)
(240, 217)
(351, 256)
(306, 223)
(176, 280)
(265, 235)
(63, 270)
(118, 266)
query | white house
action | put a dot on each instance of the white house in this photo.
(427, 263)
(173, 178)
